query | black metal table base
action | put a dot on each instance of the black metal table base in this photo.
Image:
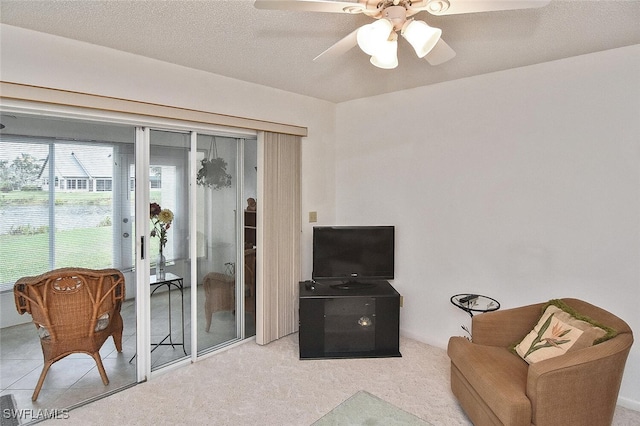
(169, 281)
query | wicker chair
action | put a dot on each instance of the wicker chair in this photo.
(250, 281)
(74, 310)
(218, 295)
(219, 290)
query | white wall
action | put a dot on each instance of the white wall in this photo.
(522, 185)
(39, 59)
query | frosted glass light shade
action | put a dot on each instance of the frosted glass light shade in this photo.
(386, 56)
(371, 36)
(421, 36)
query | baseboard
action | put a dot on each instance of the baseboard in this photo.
(226, 348)
(629, 403)
(422, 338)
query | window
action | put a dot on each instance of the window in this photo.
(103, 185)
(46, 227)
(77, 184)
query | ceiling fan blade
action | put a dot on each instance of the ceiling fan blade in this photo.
(473, 6)
(440, 53)
(339, 48)
(310, 6)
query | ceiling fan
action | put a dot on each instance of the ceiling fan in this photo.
(380, 38)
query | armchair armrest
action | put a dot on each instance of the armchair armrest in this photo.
(560, 386)
(506, 327)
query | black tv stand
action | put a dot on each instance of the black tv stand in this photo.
(361, 322)
(353, 285)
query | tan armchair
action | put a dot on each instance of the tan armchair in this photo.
(494, 386)
(74, 310)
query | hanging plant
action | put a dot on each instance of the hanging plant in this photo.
(213, 173)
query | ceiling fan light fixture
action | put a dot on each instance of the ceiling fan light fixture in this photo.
(353, 9)
(438, 6)
(372, 36)
(421, 36)
(386, 56)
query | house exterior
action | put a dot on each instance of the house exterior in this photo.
(79, 169)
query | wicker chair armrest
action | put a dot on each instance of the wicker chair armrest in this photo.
(119, 288)
(23, 302)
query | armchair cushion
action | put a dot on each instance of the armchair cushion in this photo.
(492, 374)
(559, 330)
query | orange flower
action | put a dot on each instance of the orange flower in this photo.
(556, 333)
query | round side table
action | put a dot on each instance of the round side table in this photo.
(471, 303)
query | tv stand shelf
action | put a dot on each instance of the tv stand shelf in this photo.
(356, 321)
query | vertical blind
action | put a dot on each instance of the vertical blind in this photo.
(279, 227)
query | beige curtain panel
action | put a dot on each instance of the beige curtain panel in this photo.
(278, 236)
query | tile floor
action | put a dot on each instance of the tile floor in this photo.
(75, 379)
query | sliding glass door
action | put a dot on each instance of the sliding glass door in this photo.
(168, 246)
(225, 253)
(69, 193)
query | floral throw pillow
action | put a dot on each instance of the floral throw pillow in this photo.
(559, 331)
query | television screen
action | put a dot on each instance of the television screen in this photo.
(353, 253)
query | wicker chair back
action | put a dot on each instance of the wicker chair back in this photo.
(74, 310)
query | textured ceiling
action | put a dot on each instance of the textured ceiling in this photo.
(276, 48)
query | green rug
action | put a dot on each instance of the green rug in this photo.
(365, 409)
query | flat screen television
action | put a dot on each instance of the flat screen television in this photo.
(353, 254)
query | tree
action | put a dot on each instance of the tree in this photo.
(24, 171)
(5, 181)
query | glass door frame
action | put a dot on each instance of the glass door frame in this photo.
(142, 262)
(240, 257)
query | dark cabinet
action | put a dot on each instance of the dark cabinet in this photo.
(356, 322)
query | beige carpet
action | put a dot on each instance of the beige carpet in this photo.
(269, 385)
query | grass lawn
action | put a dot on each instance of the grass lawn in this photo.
(28, 254)
(24, 255)
(22, 198)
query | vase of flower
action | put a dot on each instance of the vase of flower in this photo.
(160, 265)
(161, 221)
